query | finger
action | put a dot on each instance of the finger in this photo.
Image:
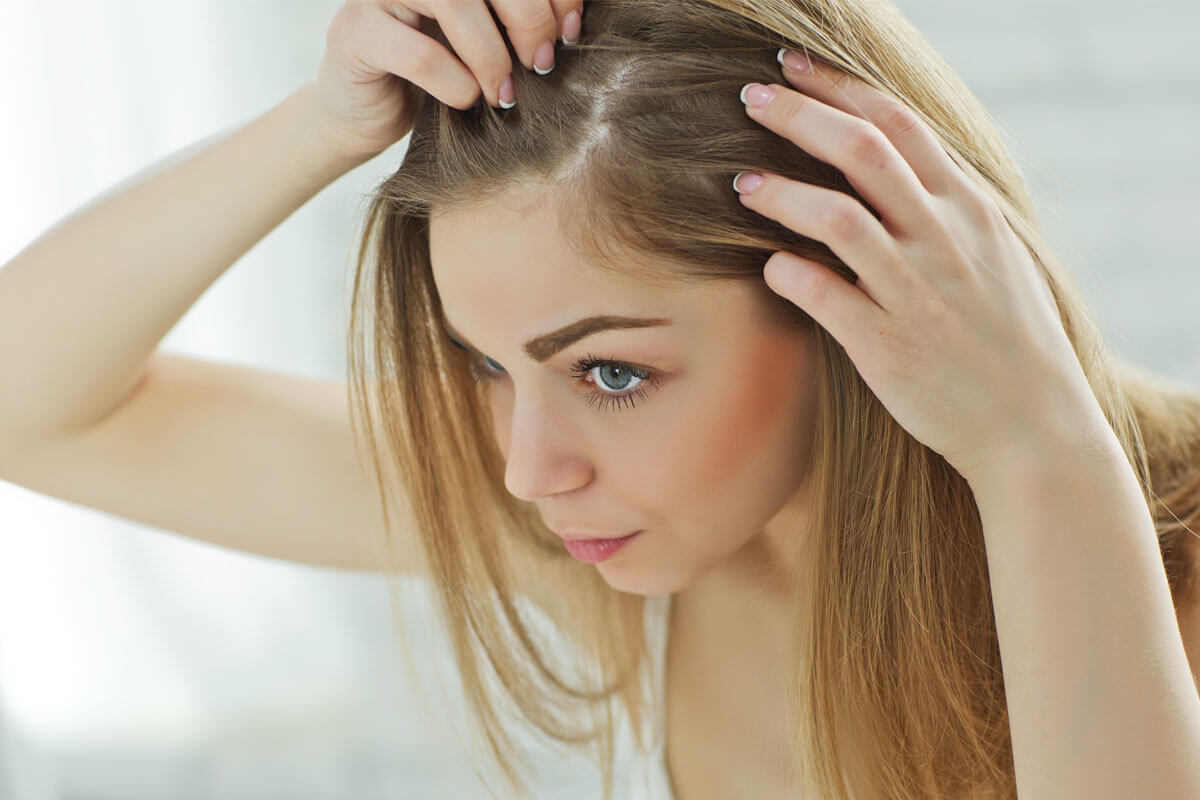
(836, 305)
(570, 18)
(860, 150)
(532, 27)
(390, 43)
(911, 136)
(471, 32)
(843, 224)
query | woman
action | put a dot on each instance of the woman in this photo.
(853, 420)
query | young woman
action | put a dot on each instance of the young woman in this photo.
(732, 324)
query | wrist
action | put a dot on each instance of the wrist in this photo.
(1044, 455)
(322, 150)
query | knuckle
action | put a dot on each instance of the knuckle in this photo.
(982, 209)
(791, 109)
(866, 143)
(495, 63)
(537, 17)
(842, 219)
(897, 117)
(816, 289)
(423, 60)
(837, 80)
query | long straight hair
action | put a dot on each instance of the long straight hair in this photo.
(896, 687)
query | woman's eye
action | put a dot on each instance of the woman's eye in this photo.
(617, 383)
(481, 365)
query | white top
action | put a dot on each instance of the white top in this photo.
(648, 779)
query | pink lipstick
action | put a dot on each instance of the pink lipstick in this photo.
(594, 551)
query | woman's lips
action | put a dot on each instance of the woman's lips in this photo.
(594, 551)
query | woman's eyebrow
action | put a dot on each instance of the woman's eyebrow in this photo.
(542, 348)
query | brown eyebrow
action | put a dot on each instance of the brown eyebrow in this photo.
(542, 348)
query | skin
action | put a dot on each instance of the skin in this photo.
(711, 463)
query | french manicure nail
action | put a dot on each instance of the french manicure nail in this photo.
(508, 93)
(747, 182)
(756, 95)
(543, 59)
(791, 60)
(572, 24)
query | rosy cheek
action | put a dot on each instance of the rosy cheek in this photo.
(751, 419)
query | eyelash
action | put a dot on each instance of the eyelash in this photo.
(648, 379)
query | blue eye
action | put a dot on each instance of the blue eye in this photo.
(615, 374)
(618, 382)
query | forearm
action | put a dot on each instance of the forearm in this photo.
(1100, 697)
(84, 306)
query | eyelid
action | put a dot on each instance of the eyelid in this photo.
(462, 346)
(471, 351)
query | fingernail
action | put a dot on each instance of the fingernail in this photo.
(543, 59)
(508, 93)
(791, 60)
(756, 95)
(572, 24)
(747, 182)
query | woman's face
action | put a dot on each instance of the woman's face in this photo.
(699, 443)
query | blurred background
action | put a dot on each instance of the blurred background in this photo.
(135, 663)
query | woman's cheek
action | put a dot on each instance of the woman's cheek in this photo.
(749, 421)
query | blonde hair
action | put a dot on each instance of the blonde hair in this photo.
(897, 689)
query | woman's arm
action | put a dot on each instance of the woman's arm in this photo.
(84, 306)
(957, 331)
(1100, 697)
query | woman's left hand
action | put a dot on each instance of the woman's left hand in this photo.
(951, 323)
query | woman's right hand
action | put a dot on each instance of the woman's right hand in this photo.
(377, 61)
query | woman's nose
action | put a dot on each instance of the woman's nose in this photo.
(543, 457)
